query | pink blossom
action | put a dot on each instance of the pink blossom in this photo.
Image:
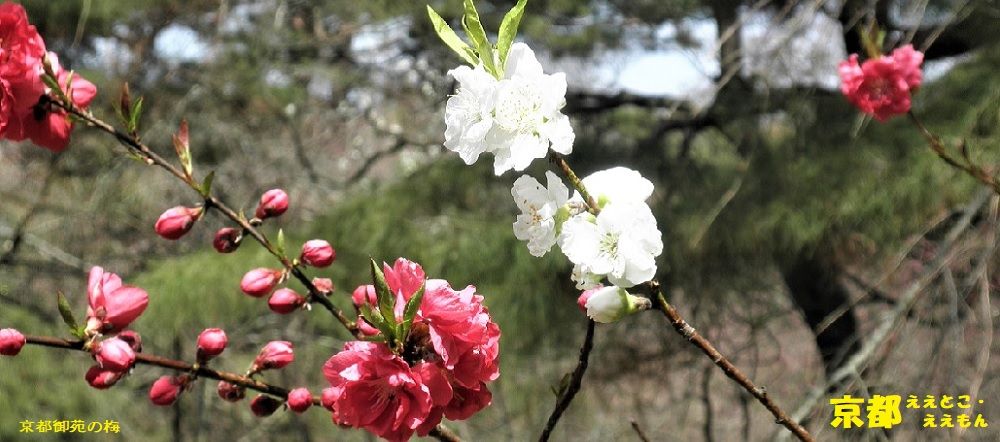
(329, 397)
(166, 389)
(50, 127)
(324, 285)
(375, 389)
(21, 53)
(467, 402)
(132, 338)
(285, 301)
(177, 221)
(112, 306)
(226, 240)
(299, 400)
(11, 342)
(274, 355)
(273, 203)
(263, 406)
(882, 86)
(101, 379)
(114, 354)
(211, 343)
(317, 253)
(259, 282)
(230, 392)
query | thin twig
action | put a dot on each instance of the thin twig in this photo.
(134, 145)
(570, 391)
(682, 327)
(638, 431)
(966, 165)
(440, 432)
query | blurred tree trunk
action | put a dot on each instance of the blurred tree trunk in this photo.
(814, 283)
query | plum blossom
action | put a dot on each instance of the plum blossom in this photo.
(621, 243)
(517, 117)
(112, 306)
(617, 184)
(538, 224)
(882, 86)
(609, 304)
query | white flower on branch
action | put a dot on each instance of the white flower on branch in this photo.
(517, 118)
(621, 243)
(538, 222)
(618, 184)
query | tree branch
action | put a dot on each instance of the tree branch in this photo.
(576, 379)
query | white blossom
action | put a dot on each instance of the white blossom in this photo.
(617, 184)
(622, 243)
(469, 113)
(609, 304)
(539, 205)
(517, 118)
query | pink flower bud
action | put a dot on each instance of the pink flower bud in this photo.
(227, 240)
(276, 354)
(299, 400)
(324, 285)
(259, 282)
(329, 398)
(364, 294)
(101, 379)
(273, 203)
(11, 342)
(166, 389)
(114, 354)
(133, 340)
(285, 301)
(211, 343)
(230, 392)
(263, 406)
(177, 221)
(582, 300)
(112, 306)
(317, 253)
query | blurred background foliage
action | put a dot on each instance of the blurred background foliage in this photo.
(779, 204)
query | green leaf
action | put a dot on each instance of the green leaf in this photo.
(450, 38)
(410, 311)
(508, 31)
(474, 29)
(383, 294)
(373, 317)
(183, 147)
(280, 242)
(206, 184)
(133, 120)
(67, 314)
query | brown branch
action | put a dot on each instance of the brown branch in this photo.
(568, 393)
(440, 432)
(965, 164)
(134, 145)
(688, 332)
(638, 432)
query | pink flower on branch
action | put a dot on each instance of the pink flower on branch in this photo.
(230, 392)
(101, 378)
(317, 253)
(273, 203)
(274, 355)
(114, 354)
(112, 306)
(285, 301)
(167, 389)
(299, 400)
(211, 343)
(259, 282)
(177, 221)
(882, 87)
(11, 342)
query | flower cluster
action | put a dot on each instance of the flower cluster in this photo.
(449, 356)
(620, 243)
(112, 306)
(882, 86)
(25, 112)
(517, 117)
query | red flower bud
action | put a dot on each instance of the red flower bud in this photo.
(299, 400)
(177, 221)
(285, 301)
(273, 203)
(260, 282)
(230, 392)
(227, 240)
(114, 354)
(211, 343)
(133, 340)
(324, 285)
(263, 406)
(276, 354)
(101, 379)
(11, 342)
(329, 398)
(317, 253)
(166, 389)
